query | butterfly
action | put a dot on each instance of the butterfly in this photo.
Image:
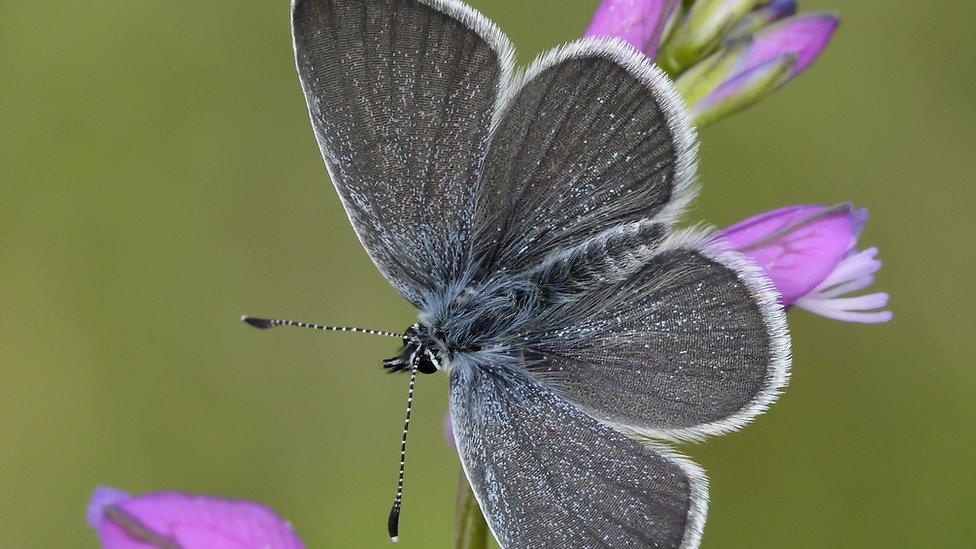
(528, 216)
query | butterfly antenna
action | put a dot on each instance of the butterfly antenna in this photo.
(266, 323)
(394, 522)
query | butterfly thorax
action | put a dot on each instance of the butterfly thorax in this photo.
(477, 323)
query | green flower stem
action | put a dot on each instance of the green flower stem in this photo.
(470, 529)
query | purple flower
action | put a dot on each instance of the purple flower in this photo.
(725, 55)
(175, 520)
(640, 22)
(810, 253)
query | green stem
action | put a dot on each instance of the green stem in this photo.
(470, 529)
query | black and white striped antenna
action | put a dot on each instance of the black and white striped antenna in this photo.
(266, 323)
(393, 525)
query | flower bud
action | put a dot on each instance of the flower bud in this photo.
(749, 68)
(704, 77)
(805, 35)
(743, 90)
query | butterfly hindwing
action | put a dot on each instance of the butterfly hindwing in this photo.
(401, 95)
(683, 339)
(547, 475)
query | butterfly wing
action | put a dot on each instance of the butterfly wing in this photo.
(593, 137)
(548, 475)
(678, 338)
(662, 335)
(401, 94)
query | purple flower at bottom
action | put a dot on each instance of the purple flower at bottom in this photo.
(810, 254)
(174, 520)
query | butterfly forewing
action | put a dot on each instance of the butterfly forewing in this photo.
(595, 137)
(547, 475)
(401, 95)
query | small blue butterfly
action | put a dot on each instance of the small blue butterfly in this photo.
(528, 217)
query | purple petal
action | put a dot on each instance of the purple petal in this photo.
(847, 287)
(854, 272)
(860, 303)
(797, 246)
(804, 35)
(639, 22)
(185, 520)
(835, 309)
(878, 317)
(855, 265)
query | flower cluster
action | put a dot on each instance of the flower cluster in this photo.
(725, 55)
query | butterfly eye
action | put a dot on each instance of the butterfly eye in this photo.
(428, 362)
(426, 366)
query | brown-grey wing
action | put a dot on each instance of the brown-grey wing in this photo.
(401, 95)
(548, 475)
(668, 337)
(594, 137)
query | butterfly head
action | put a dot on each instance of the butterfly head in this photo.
(422, 349)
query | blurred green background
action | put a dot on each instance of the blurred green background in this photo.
(160, 178)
